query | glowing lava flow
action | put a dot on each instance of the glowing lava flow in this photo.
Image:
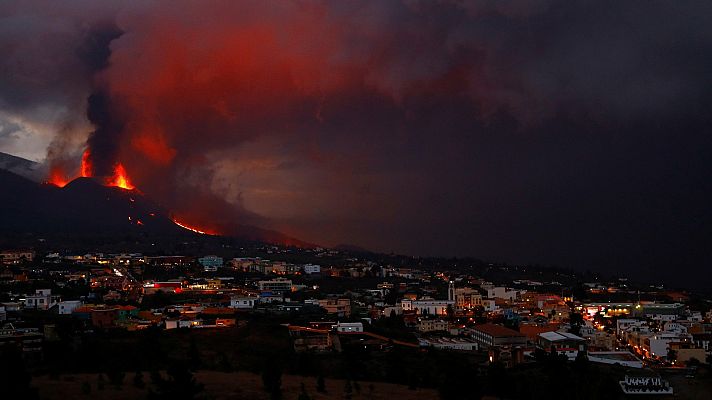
(86, 165)
(57, 178)
(120, 178)
(184, 226)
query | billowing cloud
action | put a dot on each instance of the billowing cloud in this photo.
(546, 131)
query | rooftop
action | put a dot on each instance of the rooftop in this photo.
(497, 330)
(559, 336)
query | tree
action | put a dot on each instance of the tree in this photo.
(576, 320)
(180, 385)
(138, 380)
(320, 385)
(303, 395)
(348, 389)
(540, 355)
(100, 382)
(581, 362)
(413, 382)
(86, 388)
(194, 355)
(116, 378)
(224, 364)
(671, 355)
(272, 380)
(450, 311)
(156, 377)
(14, 378)
(692, 362)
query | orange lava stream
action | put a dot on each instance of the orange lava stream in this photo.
(184, 226)
(120, 178)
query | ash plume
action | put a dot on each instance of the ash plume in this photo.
(428, 127)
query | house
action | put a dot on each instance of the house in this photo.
(686, 351)
(464, 298)
(126, 312)
(312, 269)
(210, 263)
(491, 335)
(340, 307)
(104, 317)
(657, 344)
(446, 343)
(428, 306)
(532, 331)
(504, 293)
(348, 327)
(243, 302)
(563, 342)
(279, 285)
(68, 306)
(41, 300)
(310, 339)
(16, 256)
(27, 339)
(432, 325)
(661, 311)
(150, 287)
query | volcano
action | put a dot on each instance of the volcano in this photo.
(86, 207)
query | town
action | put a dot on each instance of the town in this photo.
(382, 316)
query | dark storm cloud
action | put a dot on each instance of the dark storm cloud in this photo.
(570, 133)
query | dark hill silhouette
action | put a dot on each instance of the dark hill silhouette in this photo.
(84, 207)
(23, 167)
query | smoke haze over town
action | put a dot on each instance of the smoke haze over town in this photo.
(548, 132)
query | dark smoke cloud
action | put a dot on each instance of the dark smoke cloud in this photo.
(553, 131)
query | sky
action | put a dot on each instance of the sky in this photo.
(568, 133)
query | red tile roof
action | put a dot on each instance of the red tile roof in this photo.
(497, 330)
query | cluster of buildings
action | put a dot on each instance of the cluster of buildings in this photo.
(510, 322)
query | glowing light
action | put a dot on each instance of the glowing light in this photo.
(86, 164)
(120, 178)
(184, 226)
(57, 178)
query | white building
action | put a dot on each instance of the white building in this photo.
(67, 307)
(211, 263)
(625, 324)
(489, 305)
(504, 293)
(446, 343)
(41, 300)
(278, 285)
(243, 302)
(348, 327)
(432, 325)
(674, 327)
(312, 269)
(657, 344)
(432, 307)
